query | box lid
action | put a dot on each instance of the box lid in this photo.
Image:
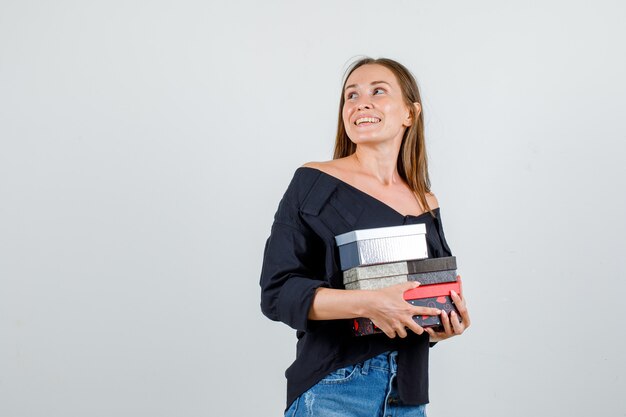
(435, 290)
(380, 232)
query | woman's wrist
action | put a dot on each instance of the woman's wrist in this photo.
(365, 300)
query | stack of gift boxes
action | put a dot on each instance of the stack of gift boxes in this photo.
(376, 258)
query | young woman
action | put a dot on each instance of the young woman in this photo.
(378, 177)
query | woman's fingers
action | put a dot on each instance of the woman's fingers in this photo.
(400, 329)
(386, 328)
(446, 332)
(390, 333)
(405, 286)
(445, 322)
(451, 324)
(425, 311)
(459, 302)
(432, 334)
(461, 306)
(414, 327)
(401, 332)
(456, 323)
(437, 336)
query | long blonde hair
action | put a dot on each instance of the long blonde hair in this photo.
(412, 160)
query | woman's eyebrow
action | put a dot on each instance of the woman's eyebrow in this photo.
(372, 83)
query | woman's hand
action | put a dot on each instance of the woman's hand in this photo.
(392, 314)
(452, 326)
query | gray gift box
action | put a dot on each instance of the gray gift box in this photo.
(413, 266)
(425, 271)
(382, 245)
(437, 277)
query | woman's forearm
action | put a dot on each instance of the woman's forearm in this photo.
(386, 307)
(333, 304)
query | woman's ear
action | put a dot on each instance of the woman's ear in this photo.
(416, 112)
(418, 109)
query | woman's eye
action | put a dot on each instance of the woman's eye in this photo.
(350, 96)
(377, 90)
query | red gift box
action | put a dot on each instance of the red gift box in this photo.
(435, 296)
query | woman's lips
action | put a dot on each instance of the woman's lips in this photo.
(366, 121)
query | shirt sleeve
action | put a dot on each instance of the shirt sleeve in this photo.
(443, 249)
(288, 276)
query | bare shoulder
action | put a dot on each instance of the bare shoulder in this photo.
(333, 167)
(432, 201)
(314, 164)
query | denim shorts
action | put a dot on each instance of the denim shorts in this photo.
(367, 389)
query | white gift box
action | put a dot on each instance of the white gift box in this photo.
(382, 245)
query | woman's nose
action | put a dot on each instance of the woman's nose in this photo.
(363, 105)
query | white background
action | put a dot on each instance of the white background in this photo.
(145, 146)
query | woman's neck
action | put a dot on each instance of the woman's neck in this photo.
(381, 164)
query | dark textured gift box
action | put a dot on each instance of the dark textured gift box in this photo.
(427, 278)
(424, 271)
(382, 245)
(413, 266)
(435, 296)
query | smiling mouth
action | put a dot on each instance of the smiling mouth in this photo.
(367, 120)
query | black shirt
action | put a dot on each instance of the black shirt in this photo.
(301, 255)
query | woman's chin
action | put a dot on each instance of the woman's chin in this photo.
(370, 140)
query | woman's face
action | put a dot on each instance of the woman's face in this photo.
(374, 109)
